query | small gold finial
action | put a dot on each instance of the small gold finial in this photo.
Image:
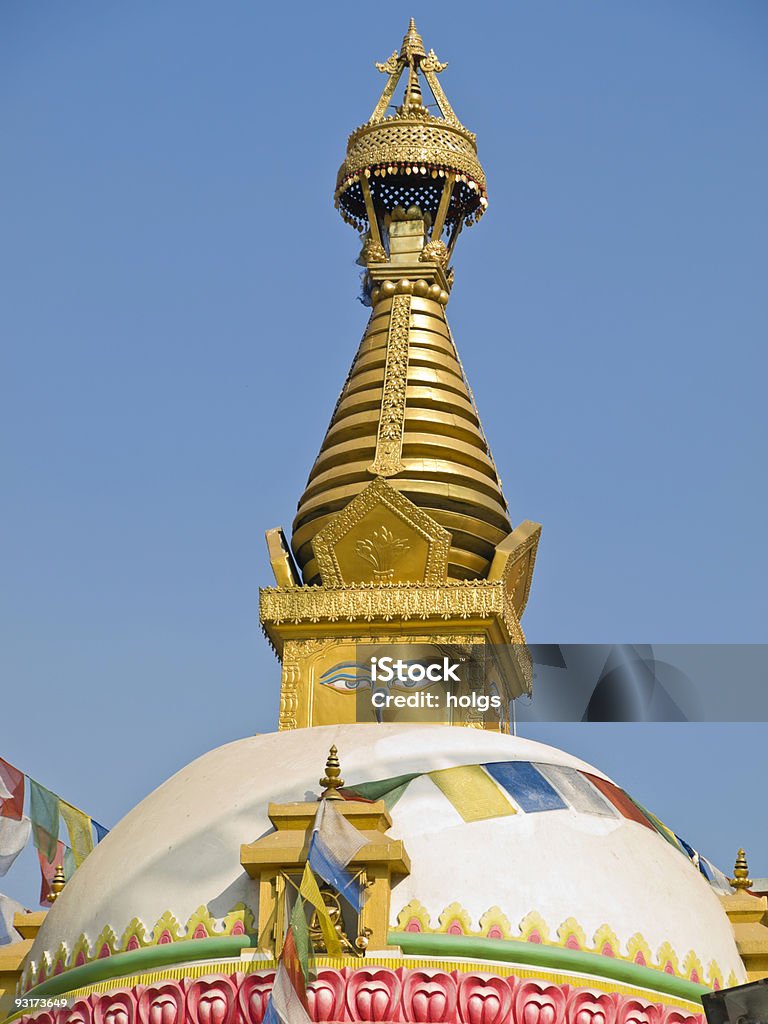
(412, 44)
(57, 884)
(741, 879)
(332, 779)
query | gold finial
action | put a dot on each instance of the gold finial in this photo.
(413, 91)
(412, 44)
(57, 884)
(741, 879)
(332, 779)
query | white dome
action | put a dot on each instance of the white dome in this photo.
(607, 876)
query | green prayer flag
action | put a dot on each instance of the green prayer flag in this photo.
(44, 813)
(388, 790)
(300, 930)
(70, 864)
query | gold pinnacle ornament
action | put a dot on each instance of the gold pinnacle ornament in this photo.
(403, 534)
(57, 884)
(332, 779)
(741, 879)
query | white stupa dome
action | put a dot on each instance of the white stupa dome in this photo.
(586, 880)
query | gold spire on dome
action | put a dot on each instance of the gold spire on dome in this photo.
(57, 884)
(410, 180)
(741, 879)
(402, 534)
(332, 779)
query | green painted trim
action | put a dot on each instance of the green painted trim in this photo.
(532, 954)
(137, 960)
(554, 958)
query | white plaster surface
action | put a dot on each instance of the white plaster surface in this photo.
(179, 848)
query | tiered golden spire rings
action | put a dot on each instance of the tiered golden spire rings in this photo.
(332, 779)
(57, 884)
(741, 879)
(410, 155)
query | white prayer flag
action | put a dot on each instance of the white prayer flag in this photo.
(14, 836)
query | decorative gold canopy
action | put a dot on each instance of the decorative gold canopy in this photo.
(407, 156)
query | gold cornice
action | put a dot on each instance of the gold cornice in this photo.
(292, 613)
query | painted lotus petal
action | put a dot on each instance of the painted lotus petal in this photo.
(373, 995)
(161, 1004)
(117, 1008)
(210, 1002)
(539, 1003)
(429, 997)
(484, 1000)
(325, 996)
(253, 996)
(590, 1008)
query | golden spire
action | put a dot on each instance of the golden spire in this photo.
(413, 46)
(410, 180)
(402, 533)
(741, 879)
(332, 779)
(57, 884)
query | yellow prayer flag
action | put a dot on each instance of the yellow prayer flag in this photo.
(79, 829)
(472, 792)
(309, 891)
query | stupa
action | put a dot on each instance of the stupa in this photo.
(505, 881)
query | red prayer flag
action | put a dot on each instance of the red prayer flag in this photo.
(620, 800)
(48, 870)
(13, 782)
(292, 963)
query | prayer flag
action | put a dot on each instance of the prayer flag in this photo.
(661, 828)
(300, 932)
(577, 791)
(14, 836)
(472, 793)
(11, 791)
(70, 864)
(388, 790)
(525, 785)
(79, 830)
(8, 910)
(310, 891)
(100, 831)
(333, 845)
(48, 870)
(619, 799)
(288, 1000)
(44, 812)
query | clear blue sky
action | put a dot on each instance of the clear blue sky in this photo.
(179, 314)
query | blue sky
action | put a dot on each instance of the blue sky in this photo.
(179, 314)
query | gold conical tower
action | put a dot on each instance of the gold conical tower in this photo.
(402, 533)
(406, 412)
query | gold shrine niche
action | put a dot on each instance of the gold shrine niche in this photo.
(402, 534)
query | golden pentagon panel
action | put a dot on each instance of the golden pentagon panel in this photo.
(382, 537)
